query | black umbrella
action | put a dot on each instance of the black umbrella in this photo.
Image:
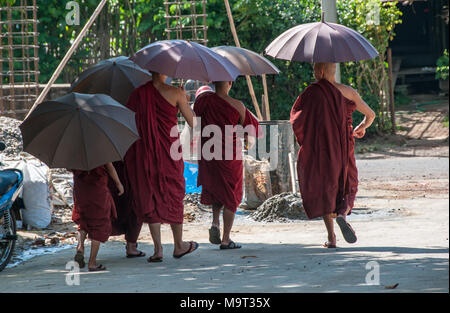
(79, 131)
(116, 77)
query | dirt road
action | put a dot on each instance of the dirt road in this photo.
(401, 218)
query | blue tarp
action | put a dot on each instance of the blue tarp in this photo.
(190, 177)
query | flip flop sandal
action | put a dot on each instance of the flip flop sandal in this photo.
(214, 235)
(231, 245)
(141, 254)
(193, 246)
(98, 269)
(327, 244)
(154, 259)
(346, 229)
(79, 258)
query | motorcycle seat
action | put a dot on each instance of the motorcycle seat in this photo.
(8, 178)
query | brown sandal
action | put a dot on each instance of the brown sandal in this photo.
(154, 259)
(192, 247)
(79, 258)
(98, 269)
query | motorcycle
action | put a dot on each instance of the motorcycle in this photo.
(11, 184)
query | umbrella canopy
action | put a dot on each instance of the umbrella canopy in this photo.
(79, 131)
(116, 77)
(186, 60)
(247, 61)
(321, 42)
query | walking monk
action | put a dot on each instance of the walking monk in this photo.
(94, 210)
(126, 222)
(221, 176)
(322, 122)
(155, 176)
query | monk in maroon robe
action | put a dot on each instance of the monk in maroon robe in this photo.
(126, 222)
(322, 122)
(154, 165)
(221, 176)
(94, 210)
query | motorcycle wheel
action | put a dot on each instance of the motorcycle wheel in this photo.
(7, 227)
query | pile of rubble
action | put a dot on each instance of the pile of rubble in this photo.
(10, 134)
(283, 207)
(194, 211)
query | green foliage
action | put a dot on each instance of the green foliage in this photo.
(115, 24)
(258, 22)
(442, 66)
(445, 121)
(370, 77)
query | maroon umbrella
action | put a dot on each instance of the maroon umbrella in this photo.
(321, 42)
(186, 60)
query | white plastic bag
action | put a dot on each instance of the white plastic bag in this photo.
(36, 194)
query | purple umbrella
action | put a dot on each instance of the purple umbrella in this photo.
(247, 61)
(186, 60)
(321, 42)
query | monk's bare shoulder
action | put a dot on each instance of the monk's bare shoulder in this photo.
(239, 105)
(348, 91)
(175, 95)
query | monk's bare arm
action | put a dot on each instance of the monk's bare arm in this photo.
(369, 115)
(113, 174)
(242, 110)
(185, 108)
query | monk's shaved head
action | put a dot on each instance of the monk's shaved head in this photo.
(324, 70)
(223, 85)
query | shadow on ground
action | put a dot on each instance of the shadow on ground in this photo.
(254, 268)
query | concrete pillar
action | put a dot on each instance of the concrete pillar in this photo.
(329, 8)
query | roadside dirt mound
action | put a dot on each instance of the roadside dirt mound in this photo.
(283, 207)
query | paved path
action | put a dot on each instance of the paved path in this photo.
(411, 248)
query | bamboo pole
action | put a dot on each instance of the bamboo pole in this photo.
(68, 56)
(391, 90)
(249, 80)
(266, 98)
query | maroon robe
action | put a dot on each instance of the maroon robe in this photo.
(93, 204)
(222, 180)
(156, 180)
(126, 223)
(322, 123)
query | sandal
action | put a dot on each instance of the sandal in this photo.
(346, 229)
(192, 247)
(230, 245)
(214, 235)
(79, 258)
(154, 259)
(98, 269)
(328, 244)
(141, 254)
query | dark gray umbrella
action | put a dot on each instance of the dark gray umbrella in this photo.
(321, 42)
(186, 60)
(116, 77)
(247, 61)
(79, 131)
